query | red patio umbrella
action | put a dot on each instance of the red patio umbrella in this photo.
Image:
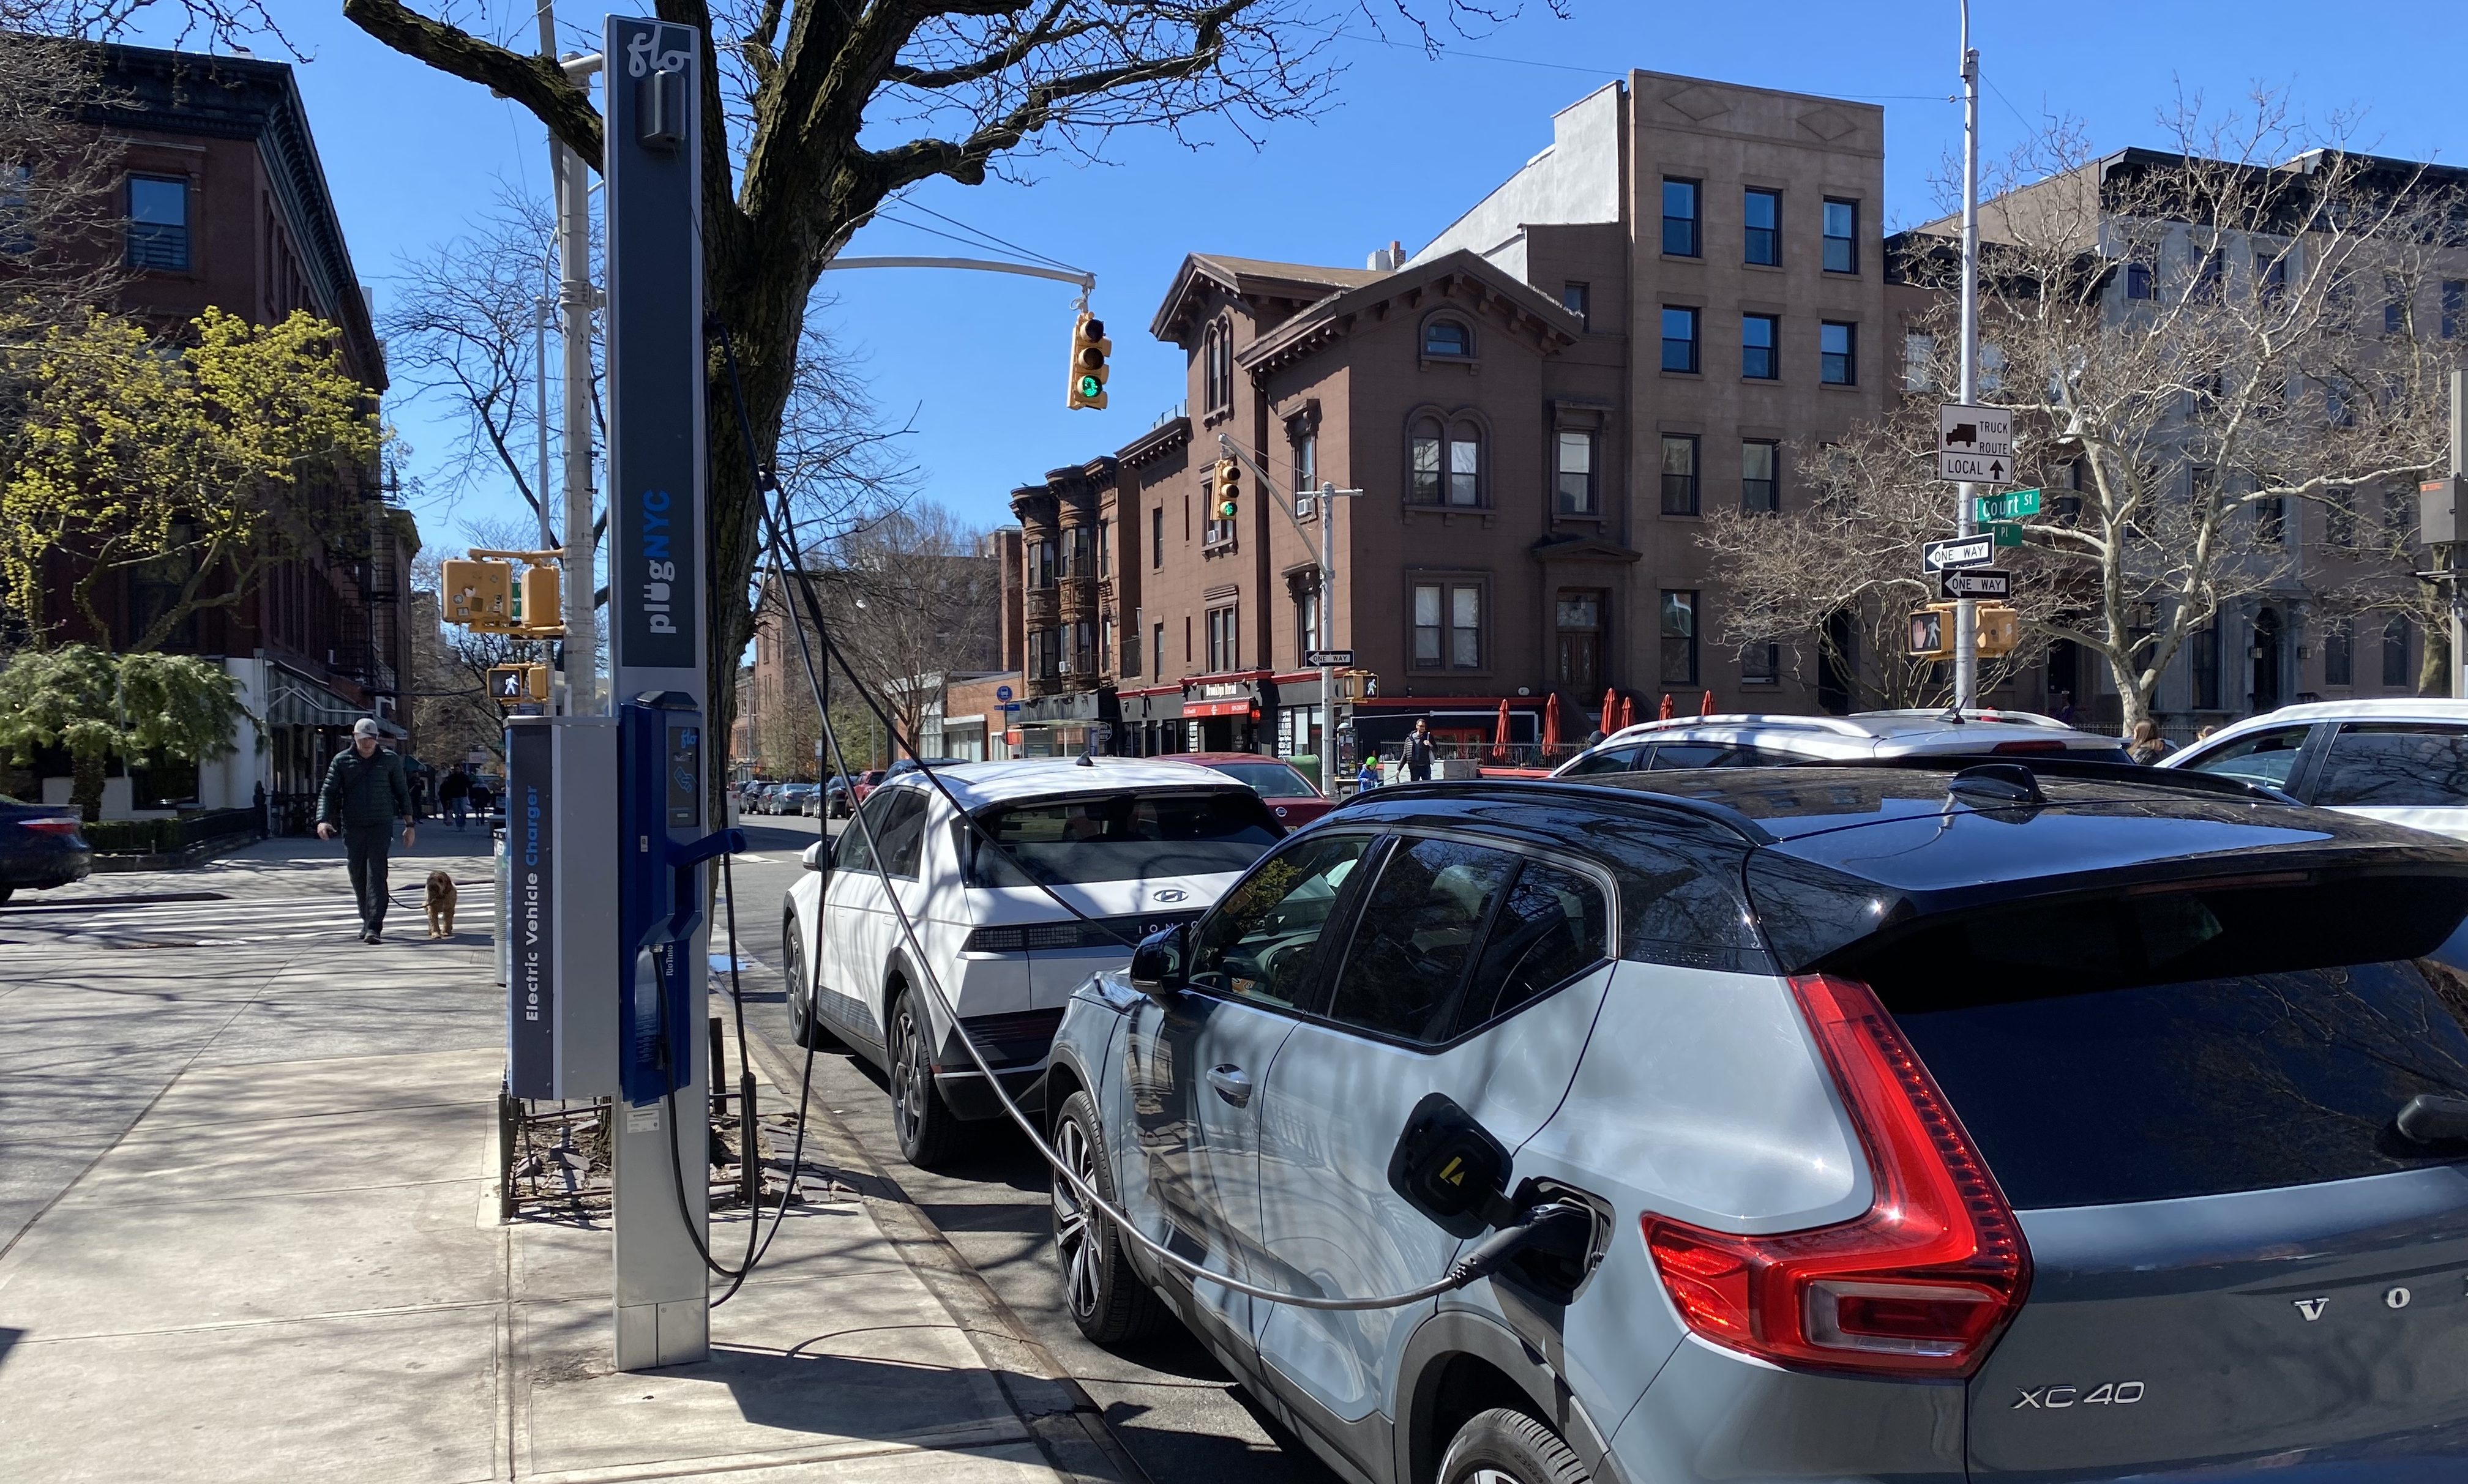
(1706, 707)
(1610, 709)
(1499, 734)
(1627, 711)
(1550, 722)
(1664, 714)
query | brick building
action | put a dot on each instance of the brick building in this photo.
(227, 207)
(1537, 407)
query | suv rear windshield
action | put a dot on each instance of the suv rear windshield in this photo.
(2188, 1041)
(2395, 765)
(1119, 837)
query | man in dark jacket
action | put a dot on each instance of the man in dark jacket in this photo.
(364, 797)
(1419, 752)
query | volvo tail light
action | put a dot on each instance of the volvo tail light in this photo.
(1921, 1285)
(49, 825)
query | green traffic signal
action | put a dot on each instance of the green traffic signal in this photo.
(1225, 511)
(1090, 386)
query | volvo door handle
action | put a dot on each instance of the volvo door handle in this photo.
(1232, 1084)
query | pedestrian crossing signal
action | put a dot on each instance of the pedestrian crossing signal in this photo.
(1089, 348)
(516, 685)
(480, 594)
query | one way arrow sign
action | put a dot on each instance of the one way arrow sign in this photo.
(1976, 582)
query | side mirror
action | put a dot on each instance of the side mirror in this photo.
(815, 857)
(1157, 964)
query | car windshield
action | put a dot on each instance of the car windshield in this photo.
(1118, 837)
(1268, 779)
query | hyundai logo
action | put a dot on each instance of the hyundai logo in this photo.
(1168, 894)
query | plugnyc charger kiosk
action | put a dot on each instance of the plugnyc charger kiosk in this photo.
(606, 814)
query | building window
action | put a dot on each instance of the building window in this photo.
(1306, 441)
(1679, 638)
(1576, 472)
(2338, 519)
(2339, 640)
(1841, 235)
(1040, 563)
(158, 223)
(1079, 552)
(2270, 521)
(1083, 649)
(1448, 625)
(1761, 664)
(1224, 645)
(1043, 654)
(1157, 650)
(1919, 363)
(1130, 648)
(1757, 336)
(1678, 340)
(2395, 637)
(1105, 548)
(1579, 633)
(1760, 488)
(2205, 664)
(1838, 360)
(1157, 538)
(2137, 281)
(1578, 300)
(1425, 486)
(1218, 353)
(17, 181)
(1678, 474)
(2454, 307)
(2270, 277)
(2206, 277)
(1761, 212)
(1465, 465)
(1306, 622)
(1186, 640)
(2395, 317)
(1447, 337)
(1679, 216)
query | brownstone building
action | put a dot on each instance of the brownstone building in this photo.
(227, 207)
(1536, 409)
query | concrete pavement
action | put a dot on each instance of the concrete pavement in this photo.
(260, 1238)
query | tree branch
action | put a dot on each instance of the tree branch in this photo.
(537, 83)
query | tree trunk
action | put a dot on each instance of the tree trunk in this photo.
(86, 786)
(2434, 670)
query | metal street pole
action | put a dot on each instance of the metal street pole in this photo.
(1966, 612)
(1325, 631)
(558, 701)
(576, 301)
(2458, 600)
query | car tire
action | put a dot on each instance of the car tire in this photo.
(927, 1130)
(1506, 1447)
(1106, 1299)
(804, 1023)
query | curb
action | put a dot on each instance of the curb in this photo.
(1071, 1428)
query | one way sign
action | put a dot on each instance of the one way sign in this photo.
(1962, 551)
(1974, 445)
(1976, 582)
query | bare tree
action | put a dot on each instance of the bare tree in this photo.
(59, 216)
(452, 713)
(934, 90)
(2198, 344)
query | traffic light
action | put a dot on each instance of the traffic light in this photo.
(1228, 500)
(515, 685)
(479, 593)
(1932, 632)
(1089, 348)
(2001, 631)
(539, 598)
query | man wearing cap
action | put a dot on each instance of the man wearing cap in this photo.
(365, 795)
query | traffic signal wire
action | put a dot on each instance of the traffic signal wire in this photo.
(1545, 1222)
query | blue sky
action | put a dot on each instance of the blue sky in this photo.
(976, 361)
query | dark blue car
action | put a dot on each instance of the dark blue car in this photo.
(40, 846)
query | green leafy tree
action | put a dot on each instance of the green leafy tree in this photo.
(141, 708)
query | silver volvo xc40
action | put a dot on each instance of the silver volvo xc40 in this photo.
(2060, 1123)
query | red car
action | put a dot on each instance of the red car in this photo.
(1287, 793)
(865, 782)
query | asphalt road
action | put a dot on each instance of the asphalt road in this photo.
(1173, 1407)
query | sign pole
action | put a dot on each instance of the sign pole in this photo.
(657, 684)
(1966, 613)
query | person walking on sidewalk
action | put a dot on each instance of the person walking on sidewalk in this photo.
(1419, 753)
(364, 797)
(455, 793)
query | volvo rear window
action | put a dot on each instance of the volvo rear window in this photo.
(2163, 1043)
(1119, 837)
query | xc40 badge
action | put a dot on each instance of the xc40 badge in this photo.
(2056, 1398)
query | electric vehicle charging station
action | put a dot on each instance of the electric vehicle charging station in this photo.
(607, 837)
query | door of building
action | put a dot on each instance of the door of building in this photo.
(1579, 663)
(2266, 660)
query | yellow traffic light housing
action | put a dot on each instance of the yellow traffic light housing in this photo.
(538, 594)
(1227, 500)
(1932, 632)
(515, 685)
(1089, 348)
(479, 594)
(2001, 631)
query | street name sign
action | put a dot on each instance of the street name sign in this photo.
(2011, 505)
(2008, 533)
(1974, 445)
(1976, 582)
(1961, 551)
(1318, 658)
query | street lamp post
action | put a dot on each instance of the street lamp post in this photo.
(1966, 612)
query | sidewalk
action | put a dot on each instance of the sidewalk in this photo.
(290, 1268)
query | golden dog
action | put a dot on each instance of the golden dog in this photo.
(441, 904)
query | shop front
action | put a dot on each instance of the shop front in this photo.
(1153, 724)
(1302, 720)
(1065, 725)
(1231, 713)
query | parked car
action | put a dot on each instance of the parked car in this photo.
(866, 782)
(1135, 845)
(1759, 741)
(1933, 1122)
(792, 798)
(40, 846)
(2403, 760)
(835, 796)
(1288, 794)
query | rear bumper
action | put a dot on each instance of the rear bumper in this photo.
(46, 865)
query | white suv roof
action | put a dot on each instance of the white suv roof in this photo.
(976, 784)
(2389, 708)
(1867, 734)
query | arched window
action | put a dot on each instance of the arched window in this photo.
(1465, 463)
(1219, 355)
(1447, 337)
(1423, 485)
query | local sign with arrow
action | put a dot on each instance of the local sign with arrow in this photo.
(1956, 552)
(1974, 445)
(1976, 582)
